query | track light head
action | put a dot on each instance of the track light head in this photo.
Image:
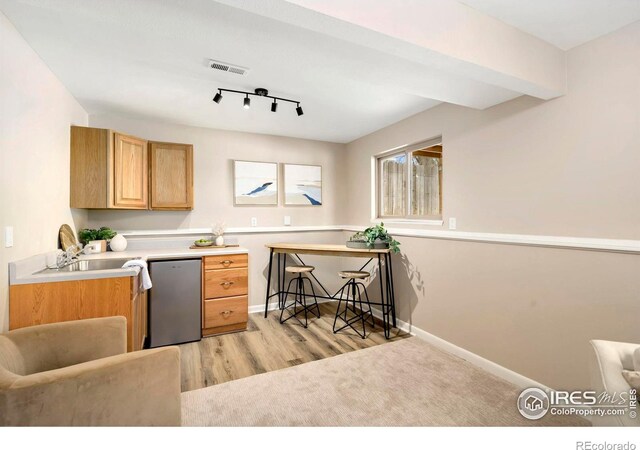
(274, 106)
(217, 97)
(247, 102)
(299, 110)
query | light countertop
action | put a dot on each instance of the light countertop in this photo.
(24, 271)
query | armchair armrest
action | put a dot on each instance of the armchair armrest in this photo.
(132, 389)
(62, 344)
(607, 362)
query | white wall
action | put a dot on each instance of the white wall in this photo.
(35, 114)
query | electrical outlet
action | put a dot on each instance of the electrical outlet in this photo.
(8, 237)
(452, 223)
(287, 220)
(254, 221)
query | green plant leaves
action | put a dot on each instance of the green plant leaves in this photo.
(376, 233)
(89, 234)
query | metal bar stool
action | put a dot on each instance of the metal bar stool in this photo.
(300, 296)
(353, 287)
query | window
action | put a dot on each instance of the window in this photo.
(410, 182)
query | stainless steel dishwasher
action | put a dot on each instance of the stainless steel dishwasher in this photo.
(175, 302)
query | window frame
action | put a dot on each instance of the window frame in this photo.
(407, 151)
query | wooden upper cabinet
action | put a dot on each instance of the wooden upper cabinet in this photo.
(171, 176)
(110, 170)
(130, 176)
(90, 153)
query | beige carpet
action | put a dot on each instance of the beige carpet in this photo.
(404, 383)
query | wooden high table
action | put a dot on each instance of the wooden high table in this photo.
(385, 275)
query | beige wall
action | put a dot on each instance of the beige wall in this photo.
(35, 114)
(566, 167)
(530, 309)
(214, 151)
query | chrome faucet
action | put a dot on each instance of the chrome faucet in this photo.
(69, 256)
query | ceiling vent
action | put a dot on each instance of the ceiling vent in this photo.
(226, 67)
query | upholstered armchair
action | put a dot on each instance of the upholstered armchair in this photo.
(78, 373)
(608, 361)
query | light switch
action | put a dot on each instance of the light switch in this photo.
(8, 237)
(254, 221)
(287, 220)
(452, 223)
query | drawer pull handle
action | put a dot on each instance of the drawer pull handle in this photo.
(226, 262)
(226, 313)
(226, 283)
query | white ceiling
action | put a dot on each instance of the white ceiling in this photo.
(147, 58)
(563, 23)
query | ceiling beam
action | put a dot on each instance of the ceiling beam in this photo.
(441, 35)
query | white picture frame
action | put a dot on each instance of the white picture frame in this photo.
(302, 185)
(255, 183)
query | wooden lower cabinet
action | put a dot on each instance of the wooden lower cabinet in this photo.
(225, 301)
(41, 303)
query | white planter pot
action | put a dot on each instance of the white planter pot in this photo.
(219, 241)
(118, 243)
(98, 246)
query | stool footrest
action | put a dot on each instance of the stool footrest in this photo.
(299, 303)
(361, 315)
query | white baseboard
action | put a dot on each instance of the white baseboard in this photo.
(274, 306)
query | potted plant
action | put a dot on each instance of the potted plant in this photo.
(374, 237)
(218, 230)
(99, 236)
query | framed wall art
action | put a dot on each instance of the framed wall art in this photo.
(302, 185)
(255, 183)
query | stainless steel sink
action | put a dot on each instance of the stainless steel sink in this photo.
(90, 264)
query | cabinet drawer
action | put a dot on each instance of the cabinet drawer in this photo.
(225, 261)
(225, 311)
(225, 283)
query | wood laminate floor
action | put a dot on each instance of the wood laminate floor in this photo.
(267, 345)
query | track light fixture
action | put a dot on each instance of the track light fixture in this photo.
(259, 92)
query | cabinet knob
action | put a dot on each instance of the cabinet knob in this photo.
(226, 313)
(226, 262)
(226, 283)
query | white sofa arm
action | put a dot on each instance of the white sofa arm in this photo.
(608, 361)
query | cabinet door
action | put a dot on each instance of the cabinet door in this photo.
(171, 176)
(130, 173)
